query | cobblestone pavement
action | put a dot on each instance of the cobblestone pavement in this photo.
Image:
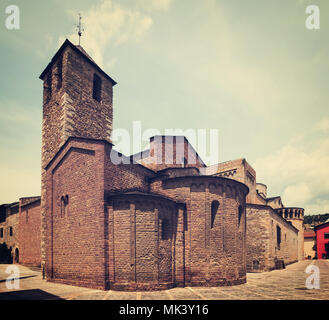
(286, 284)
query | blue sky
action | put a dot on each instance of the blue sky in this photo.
(250, 69)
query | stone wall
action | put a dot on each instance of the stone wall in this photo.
(241, 171)
(296, 217)
(214, 232)
(263, 249)
(142, 242)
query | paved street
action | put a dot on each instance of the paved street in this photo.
(275, 285)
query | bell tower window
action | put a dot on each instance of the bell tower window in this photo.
(97, 86)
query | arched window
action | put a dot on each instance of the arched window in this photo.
(214, 209)
(64, 203)
(240, 214)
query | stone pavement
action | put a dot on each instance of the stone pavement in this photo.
(287, 284)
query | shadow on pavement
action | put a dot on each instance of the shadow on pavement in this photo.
(17, 278)
(34, 294)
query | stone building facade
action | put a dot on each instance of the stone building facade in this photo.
(155, 220)
(20, 227)
(9, 251)
(309, 244)
(275, 233)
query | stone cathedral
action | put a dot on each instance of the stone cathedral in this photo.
(142, 224)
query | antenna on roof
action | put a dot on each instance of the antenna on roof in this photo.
(80, 28)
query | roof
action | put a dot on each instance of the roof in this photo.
(82, 52)
(29, 200)
(7, 205)
(140, 155)
(273, 198)
(140, 193)
(324, 224)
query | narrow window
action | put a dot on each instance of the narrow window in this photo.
(214, 209)
(278, 236)
(164, 229)
(11, 231)
(1, 233)
(97, 86)
(240, 213)
(64, 203)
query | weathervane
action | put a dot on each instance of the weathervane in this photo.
(79, 28)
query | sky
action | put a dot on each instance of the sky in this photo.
(250, 69)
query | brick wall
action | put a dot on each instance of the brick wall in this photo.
(142, 234)
(125, 176)
(171, 152)
(30, 233)
(242, 171)
(214, 252)
(75, 242)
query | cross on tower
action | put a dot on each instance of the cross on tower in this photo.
(80, 28)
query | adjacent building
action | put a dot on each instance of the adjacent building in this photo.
(309, 243)
(322, 240)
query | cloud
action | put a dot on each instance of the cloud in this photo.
(300, 173)
(108, 23)
(298, 193)
(162, 5)
(323, 125)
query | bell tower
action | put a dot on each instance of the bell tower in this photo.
(77, 102)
